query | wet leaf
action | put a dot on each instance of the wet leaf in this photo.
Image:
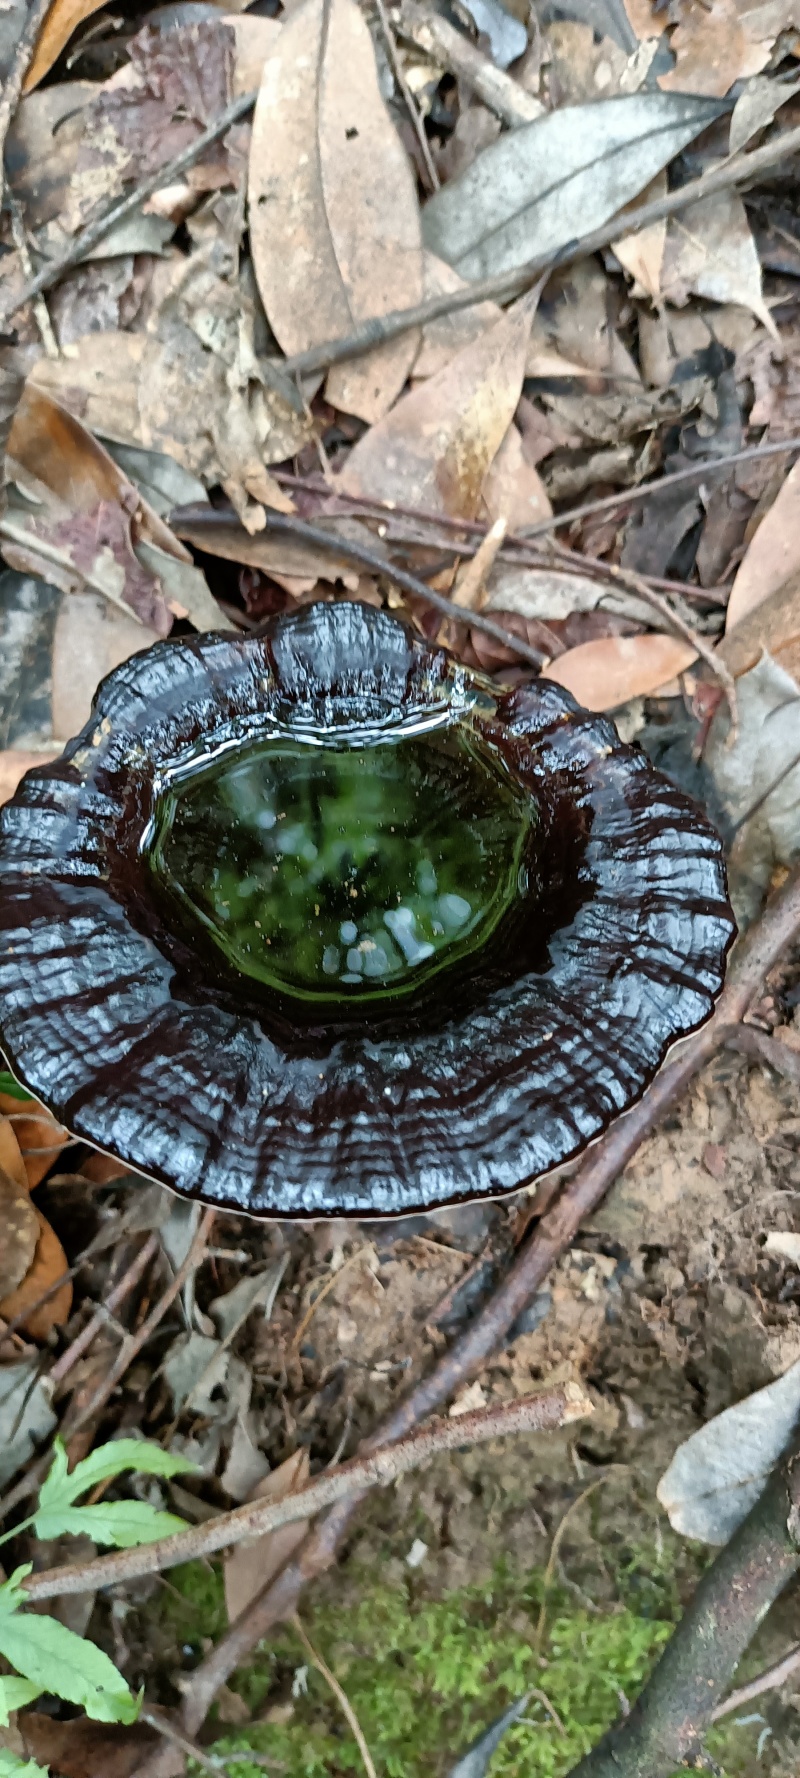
(334, 220)
(608, 672)
(553, 180)
(435, 448)
(717, 1475)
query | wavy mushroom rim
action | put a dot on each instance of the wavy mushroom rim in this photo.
(204, 1101)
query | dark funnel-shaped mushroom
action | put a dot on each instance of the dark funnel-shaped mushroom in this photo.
(322, 922)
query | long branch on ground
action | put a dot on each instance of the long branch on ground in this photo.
(759, 951)
(665, 1728)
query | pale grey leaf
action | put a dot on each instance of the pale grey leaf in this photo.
(554, 180)
(717, 1475)
(508, 38)
(475, 1762)
(231, 1310)
(758, 780)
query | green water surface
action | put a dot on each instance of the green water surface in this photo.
(331, 871)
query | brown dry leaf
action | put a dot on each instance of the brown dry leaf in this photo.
(38, 1136)
(15, 762)
(435, 448)
(334, 218)
(642, 254)
(255, 38)
(20, 1226)
(175, 84)
(91, 638)
(714, 48)
(250, 1566)
(49, 1263)
(710, 250)
(604, 674)
(91, 511)
(582, 66)
(84, 1749)
(773, 553)
(513, 490)
(62, 19)
(42, 147)
(11, 1160)
(772, 627)
(448, 334)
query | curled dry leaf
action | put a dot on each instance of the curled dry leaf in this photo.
(773, 553)
(334, 220)
(49, 1263)
(95, 520)
(435, 448)
(606, 673)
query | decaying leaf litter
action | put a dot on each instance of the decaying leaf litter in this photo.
(524, 456)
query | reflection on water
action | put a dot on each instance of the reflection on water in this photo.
(334, 871)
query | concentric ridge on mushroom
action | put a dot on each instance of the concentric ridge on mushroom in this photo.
(320, 922)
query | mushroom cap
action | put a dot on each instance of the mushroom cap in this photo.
(149, 1043)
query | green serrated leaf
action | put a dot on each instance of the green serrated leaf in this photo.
(58, 1661)
(11, 1086)
(60, 1489)
(12, 1592)
(14, 1695)
(121, 1522)
(12, 1767)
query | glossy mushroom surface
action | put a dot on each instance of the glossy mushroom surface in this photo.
(320, 922)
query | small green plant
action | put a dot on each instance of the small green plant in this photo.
(44, 1654)
(11, 1086)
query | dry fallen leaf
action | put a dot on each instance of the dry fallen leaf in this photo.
(773, 553)
(606, 673)
(713, 49)
(62, 19)
(250, 1566)
(435, 448)
(710, 250)
(20, 1226)
(334, 219)
(49, 1263)
(84, 1749)
(38, 1137)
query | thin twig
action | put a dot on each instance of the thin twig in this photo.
(189, 521)
(377, 1469)
(769, 1681)
(433, 180)
(122, 1288)
(547, 1580)
(341, 1696)
(749, 1041)
(21, 61)
(438, 38)
(135, 1342)
(636, 584)
(763, 946)
(737, 170)
(95, 231)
